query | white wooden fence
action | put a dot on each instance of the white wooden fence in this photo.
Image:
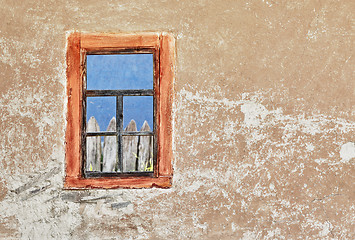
(137, 150)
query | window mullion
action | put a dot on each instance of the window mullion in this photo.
(119, 128)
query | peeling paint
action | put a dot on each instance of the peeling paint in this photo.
(253, 113)
(347, 152)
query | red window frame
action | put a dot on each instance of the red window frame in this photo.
(78, 45)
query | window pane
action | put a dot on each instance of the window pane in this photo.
(137, 153)
(120, 71)
(93, 153)
(138, 109)
(101, 154)
(100, 114)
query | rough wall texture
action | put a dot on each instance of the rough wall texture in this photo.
(263, 122)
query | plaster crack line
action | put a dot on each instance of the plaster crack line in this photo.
(327, 196)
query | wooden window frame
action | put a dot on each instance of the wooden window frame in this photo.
(80, 44)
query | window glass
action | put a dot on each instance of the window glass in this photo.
(120, 153)
(137, 153)
(101, 154)
(139, 109)
(119, 71)
(100, 114)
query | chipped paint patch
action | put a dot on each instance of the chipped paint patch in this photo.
(253, 113)
(347, 152)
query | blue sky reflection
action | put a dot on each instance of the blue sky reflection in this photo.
(123, 71)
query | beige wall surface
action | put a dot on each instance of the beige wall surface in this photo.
(264, 122)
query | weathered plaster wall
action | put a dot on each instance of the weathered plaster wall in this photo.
(263, 122)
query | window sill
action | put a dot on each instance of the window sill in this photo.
(112, 183)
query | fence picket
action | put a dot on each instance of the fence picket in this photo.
(93, 146)
(145, 148)
(109, 160)
(129, 148)
(137, 150)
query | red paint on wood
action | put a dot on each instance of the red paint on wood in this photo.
(97, 42)
(167, 60)
(73, 137)
(109, 183)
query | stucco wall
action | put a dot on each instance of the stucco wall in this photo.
(263, 122)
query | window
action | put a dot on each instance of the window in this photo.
(119, 126)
